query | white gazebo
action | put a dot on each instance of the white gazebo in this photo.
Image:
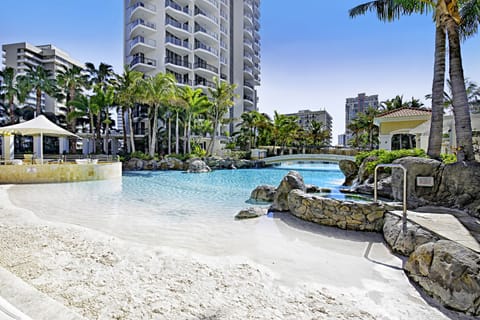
(37, 127)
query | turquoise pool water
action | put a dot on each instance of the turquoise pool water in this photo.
(195, 212)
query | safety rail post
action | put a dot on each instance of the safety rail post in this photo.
(393, 165)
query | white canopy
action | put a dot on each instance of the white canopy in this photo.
(38, 126)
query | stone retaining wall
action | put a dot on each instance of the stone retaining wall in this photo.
(331, 212)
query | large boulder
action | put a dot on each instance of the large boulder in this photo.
(292, 181)
(416, 167)
(350, 170)
(134, 164)
(198, 166)
(365, 176)
(263, 193)
(449, 272)
(405, 241)
(251, 212)
(460, 187)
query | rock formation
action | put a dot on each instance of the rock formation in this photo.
(293, 180)
(449, 272)
(251, 212)
(263, 193)
(198, 166)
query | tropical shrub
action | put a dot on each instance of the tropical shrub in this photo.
(386, 157)
(448, 158)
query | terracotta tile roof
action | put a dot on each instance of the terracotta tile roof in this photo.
(405, 112)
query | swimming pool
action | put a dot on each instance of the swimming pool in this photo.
(196, 212)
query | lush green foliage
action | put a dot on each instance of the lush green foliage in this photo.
(386, 157)
(448, 158)
(140, 155)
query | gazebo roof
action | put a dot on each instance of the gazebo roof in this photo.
(35, 127)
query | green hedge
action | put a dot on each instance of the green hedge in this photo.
(386, 157)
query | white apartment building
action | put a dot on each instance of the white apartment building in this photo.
(21, 55)
(306, 117)
(197, 40)
(353, 106)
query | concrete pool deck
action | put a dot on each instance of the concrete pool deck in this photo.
(448, 223)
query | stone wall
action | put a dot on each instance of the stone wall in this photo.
(331, 212)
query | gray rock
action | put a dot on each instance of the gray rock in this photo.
(198, 166)
(263, 193)
(293, 180)
(350, 170)
(135, 164)
(449, 272)
(405, 243)
(363, 174)
(251, 212)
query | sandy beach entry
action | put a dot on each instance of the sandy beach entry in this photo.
(95, 274)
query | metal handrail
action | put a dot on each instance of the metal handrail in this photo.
(394, 165)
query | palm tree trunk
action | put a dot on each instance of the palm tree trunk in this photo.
(12, 110)
(132, 134)
(185, 139)
(38, 103)
(436, 121)
(461, 112)
(169, 135)
(154, 132)
(177, 142)
(189, 131)
(124, 129)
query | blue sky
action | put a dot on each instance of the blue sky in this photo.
(313, 55)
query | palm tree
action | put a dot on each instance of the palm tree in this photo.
(83, 106)
(127, 96)
(41, 81)
(196, 103)
(71, 80)
(473, 94)
(448, 24)
(222, 96)
(9, 90)
(102, 76)
(154, 92)
(249, 123)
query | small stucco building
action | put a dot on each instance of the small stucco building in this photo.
(407, 128)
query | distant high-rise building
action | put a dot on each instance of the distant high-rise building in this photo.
(21, 55)
(353, 106)
(197, 40)
(306, 117)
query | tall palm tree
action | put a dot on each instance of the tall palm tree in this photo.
(41, 81)
(196, 103)
(154, 92)
(102, 76)
(71, 81)
(9, 90)
(448, 23)
(127, 95)
(222, 96)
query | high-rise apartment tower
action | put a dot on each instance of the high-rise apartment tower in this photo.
(21, 56)
(197, 40)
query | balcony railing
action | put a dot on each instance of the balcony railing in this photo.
(248, 98)
(248, 69)
(206, 66)
(176, 6)
(176, 24)
(199, 11)
(140, 39)
(178, 62)
(143, 60)
(199, 28)
(148, 6)
(204, 82)
(200, 45)
(143, 23)
(178, 42)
